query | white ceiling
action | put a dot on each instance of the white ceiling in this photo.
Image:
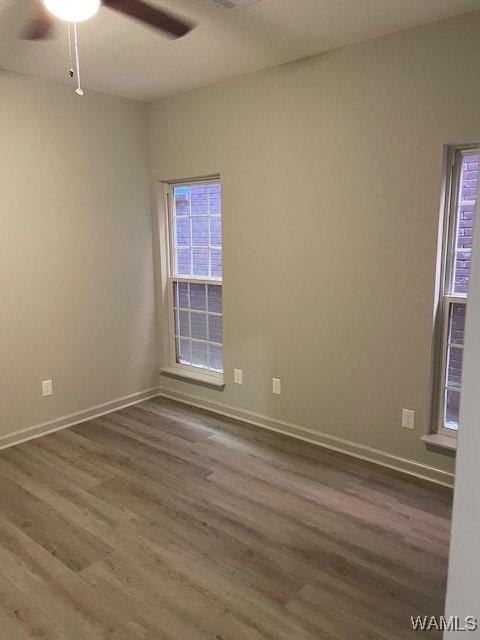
(122, 57)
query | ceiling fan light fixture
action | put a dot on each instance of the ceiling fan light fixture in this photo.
(73, 10)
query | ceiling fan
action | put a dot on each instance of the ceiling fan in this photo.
(41, 24)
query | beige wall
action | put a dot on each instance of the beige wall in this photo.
(331, 171)
(75, 252)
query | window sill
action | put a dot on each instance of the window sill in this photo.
(439, 440)
(193, 376)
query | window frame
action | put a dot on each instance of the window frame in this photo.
(187, 371)
(447, 298)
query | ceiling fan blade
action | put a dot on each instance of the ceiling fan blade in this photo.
(40, 26)
(152, 16)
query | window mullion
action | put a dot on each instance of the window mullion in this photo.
(191, 233)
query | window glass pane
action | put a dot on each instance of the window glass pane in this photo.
(456, 330)
(183, 262)
(215, 298)
(182, 324)
(199, 325)
(452, 407)
(200, 262)
(198, 296)
(182, 201)
(199, 354)
(214, 201)
(183, 350)
(199, 200)
(454, 368)
(197, 223)
(216, 263)
(182, 232)
(215, 231)
(180, 294)
(200, 231)
(216, 357)
(465, 222)
(215, 328)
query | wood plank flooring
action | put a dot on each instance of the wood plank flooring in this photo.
(160, 522)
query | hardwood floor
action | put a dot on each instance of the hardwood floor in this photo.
(162, 522)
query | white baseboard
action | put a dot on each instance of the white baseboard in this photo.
(72, 419)
(363, 452)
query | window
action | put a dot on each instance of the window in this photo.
(195, 277)
(460, 219)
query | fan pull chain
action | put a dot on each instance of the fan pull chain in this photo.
(70, 57)
(79, 90)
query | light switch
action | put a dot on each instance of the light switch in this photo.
(408, 418)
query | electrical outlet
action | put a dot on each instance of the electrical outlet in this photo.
(408, 418)
(47, 388)
(276, 386)
(238, 376)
